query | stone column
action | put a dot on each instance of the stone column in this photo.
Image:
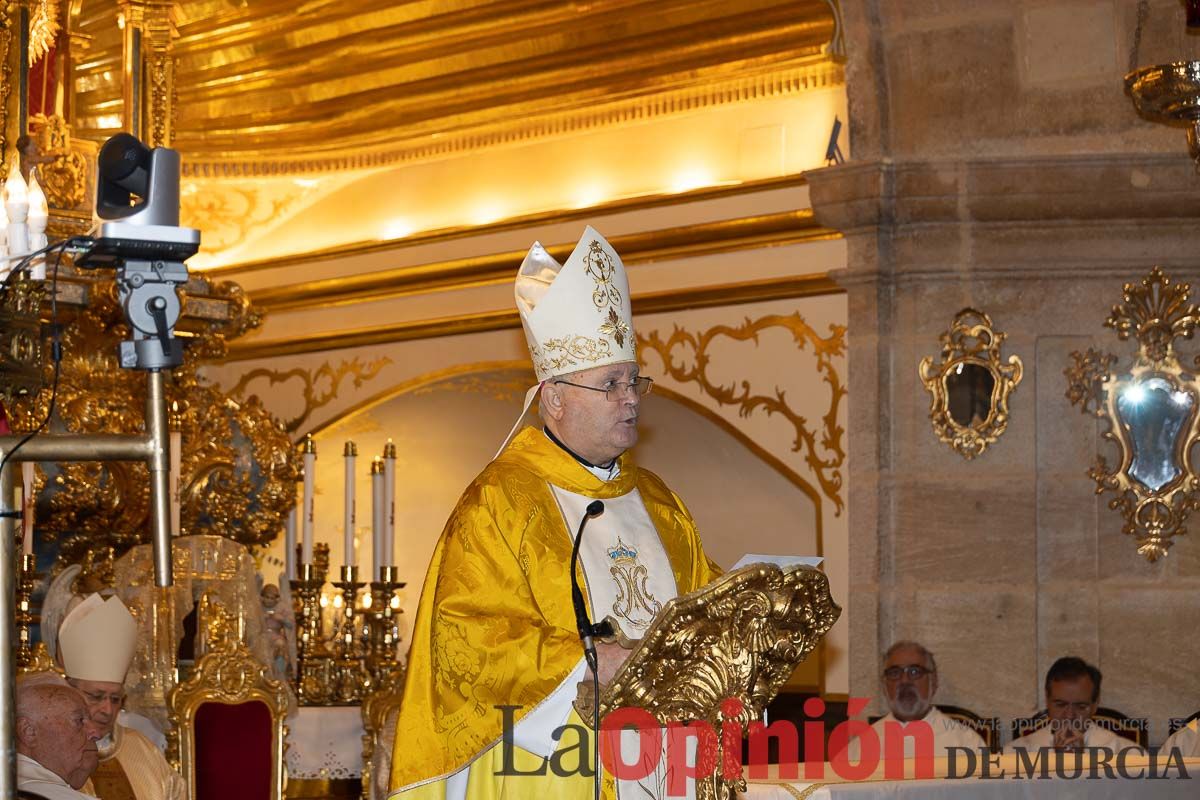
(996, 163)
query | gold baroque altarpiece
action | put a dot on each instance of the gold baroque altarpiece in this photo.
(238, 466)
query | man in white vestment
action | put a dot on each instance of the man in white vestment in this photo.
(495, 660)
(909, 681)
(97, 642)
(1072, 695)
(1186, 740)
(56, 742)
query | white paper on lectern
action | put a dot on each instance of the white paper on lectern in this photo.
(783, 562)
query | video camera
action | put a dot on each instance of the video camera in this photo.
(137, 216)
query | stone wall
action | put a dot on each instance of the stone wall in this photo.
(998, 164)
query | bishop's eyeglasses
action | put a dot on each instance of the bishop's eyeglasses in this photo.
(614, 390)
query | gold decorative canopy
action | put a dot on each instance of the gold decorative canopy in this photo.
(276, 86)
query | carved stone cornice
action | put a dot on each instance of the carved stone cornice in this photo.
(855, 197)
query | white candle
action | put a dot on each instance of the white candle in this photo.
(289, 543)
(176, 445)
(27, 506)
(16, 203)
(389, 503)
(378, 521)
(310, 474)
(351, 455)
(39, 214)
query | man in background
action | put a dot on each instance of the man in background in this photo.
(1072, 695)
(909, 681)
(97, 641)
(56, 741)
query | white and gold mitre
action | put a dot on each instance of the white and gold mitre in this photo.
(97, 640)
(576, 315)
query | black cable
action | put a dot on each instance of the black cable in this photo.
(55, 347)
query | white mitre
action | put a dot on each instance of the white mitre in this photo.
(576, 316)
(97, 640)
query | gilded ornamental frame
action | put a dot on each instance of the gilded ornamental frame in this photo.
(971, 341)
(1155, 498)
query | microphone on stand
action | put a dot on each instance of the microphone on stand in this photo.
(586, 631)
(582, 623)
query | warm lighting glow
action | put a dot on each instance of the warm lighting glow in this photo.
(366, 603)
(395, 601)
(337, 601)
(485, 213)
(306, 183)
(15, 190)
(38, 207)
(691, 178)
(588, 195)
(397, 229)
(121, 21)
(324, 600)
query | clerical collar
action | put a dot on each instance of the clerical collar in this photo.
(602, 471)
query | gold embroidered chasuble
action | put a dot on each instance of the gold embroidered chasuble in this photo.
(135, 770)
(495, 625)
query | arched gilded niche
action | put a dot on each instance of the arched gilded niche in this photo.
(448, 425)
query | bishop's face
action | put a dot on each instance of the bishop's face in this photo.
(104, 701)
(593, 426)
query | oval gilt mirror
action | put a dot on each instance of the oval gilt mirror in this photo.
(970, 385)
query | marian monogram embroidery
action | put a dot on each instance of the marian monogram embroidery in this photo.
(634, 603)
(599, 264)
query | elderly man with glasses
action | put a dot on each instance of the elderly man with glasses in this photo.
(909, 681)
(97, 642)
(496, 655)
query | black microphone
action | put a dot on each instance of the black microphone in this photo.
(594, 509)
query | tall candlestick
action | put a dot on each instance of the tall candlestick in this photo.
(389, 503)
(176, 460)
(351, 455)
(27, 505)
(310, 474)
(378, 521)
(289, 543)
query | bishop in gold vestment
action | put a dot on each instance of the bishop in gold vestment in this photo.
(495, 626)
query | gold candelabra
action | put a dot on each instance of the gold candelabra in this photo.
(384, 629)
(350, 676)
(314, 662)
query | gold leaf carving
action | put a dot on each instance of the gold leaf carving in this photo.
(825, 458)
(320, 386)
(43, 28)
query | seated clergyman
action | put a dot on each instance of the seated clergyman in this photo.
(1072, 694)
(909, 681)
(97, 641)
(1186, 740)
(56, 741)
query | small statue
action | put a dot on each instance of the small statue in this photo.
(280, 626)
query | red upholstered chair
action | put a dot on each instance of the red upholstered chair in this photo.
(228, 720)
